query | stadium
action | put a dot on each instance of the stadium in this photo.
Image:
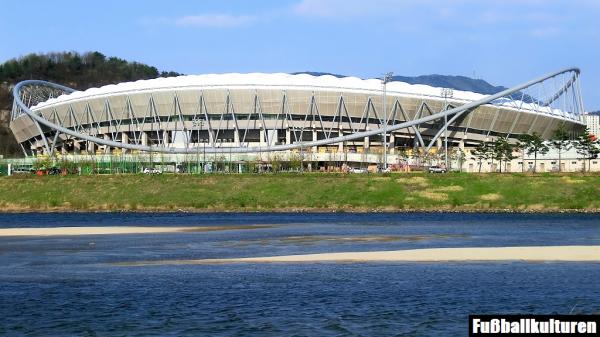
(319, 119)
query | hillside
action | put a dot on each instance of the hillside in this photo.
(455, 82)
(78, 71)
(440, 81)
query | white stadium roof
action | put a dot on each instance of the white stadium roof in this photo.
(285, 81)
(261, 81)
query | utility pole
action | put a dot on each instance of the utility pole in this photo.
(446, 92)
(387, 78)
(199, 125)
(301, 156)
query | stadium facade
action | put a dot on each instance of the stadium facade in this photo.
(256, 114)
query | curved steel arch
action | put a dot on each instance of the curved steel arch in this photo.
(455, 113)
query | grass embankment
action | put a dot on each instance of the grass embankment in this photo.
(291, 192)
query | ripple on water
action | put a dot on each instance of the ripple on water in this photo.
(64, 286)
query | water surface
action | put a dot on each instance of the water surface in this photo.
(70, 285)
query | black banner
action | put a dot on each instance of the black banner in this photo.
(538, 325)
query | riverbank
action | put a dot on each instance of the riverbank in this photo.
(303, 192)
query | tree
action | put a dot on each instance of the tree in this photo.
(520, 146)
(561, 141)
(497, 152)
(459, 155)
(587, 147)
(533, 144)
(295, 162)
(482, 152)
(416, 155)
(276, 163)
(503, 152)
(79, 71)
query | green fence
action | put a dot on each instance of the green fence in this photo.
(131, 164)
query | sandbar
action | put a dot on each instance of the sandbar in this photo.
(528, 253)
(106, 230)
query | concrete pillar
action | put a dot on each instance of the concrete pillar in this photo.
(91, 147)
(211, 138)
(144, 138)
(124, 140)
(236, 138)
(60, 146)
(107, 148)
(314, 138)
(262, 137)
(391, 143)
(438, 143)
(165, 137)
(366, 143)
(288, 136)
(461, 145)
(76, 147)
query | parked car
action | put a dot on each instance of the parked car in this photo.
(20, 170)
(385, 170)
(358, 170)
(53, 171)
(149, 170)
(436, 169)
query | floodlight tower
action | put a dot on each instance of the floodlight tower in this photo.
(446, 93)
(198, 124)
(386, 78)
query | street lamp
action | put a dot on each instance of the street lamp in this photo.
(446, 93)
(387, 78)
(198, 124)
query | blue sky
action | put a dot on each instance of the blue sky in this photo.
(505, 42)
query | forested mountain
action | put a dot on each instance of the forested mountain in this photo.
(78, 71)
(440, 81)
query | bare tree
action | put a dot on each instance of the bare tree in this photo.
(533, 144)
(561, 142)
(587, 147)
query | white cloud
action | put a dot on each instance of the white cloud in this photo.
(546, 32)
(345, 9)
(318, 8)
(489, 11)
(214, 20)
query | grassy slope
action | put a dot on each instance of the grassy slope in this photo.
(302, 192)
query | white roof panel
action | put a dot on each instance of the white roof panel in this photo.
(261, 80)
(283, 81)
